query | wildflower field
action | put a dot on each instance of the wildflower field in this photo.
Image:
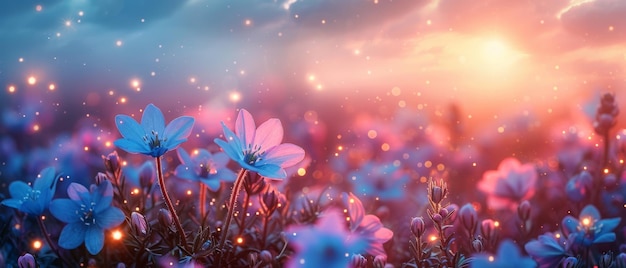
(363, 134)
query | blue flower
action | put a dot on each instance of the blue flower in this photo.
(589, 228)
(548, 250)
(36, 199)
(87, 214)
(383, 181)
(205, 167)
(326, 244)
(260, 149)
(152, 137)
(508, 256)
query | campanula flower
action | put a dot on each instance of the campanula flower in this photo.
(508, 256)
(88, 213)
(368, 227)
(509, 185)
(325, 244)
(260, 149)
(36, 199)
(205, 167)
(152, 137)
(589, 228)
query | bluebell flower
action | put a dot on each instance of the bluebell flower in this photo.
(326, 244)
(205, 167)
(589, 228)
(33, 200)
(383, 181)
(87, 214)
(260, 149)
(152, 137)
(548, 250)
(508, 256)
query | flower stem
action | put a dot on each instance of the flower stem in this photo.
(202, 201)
(231, 206)
(168, 202)
(45, 233)
(246, 203)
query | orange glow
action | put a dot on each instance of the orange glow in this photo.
(11, 89)
(37, 244)
(52, 87)
(235, 96)
(32, 80)
(117, 235)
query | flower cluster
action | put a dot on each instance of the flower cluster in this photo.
(246, 198)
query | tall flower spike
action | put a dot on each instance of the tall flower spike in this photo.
(260, 149)
(152, 137)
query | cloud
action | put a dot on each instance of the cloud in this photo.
(596, 21)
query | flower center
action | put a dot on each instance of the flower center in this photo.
(153, 140)
(32, 195)
(207, 169)
(252, 155)
(86, 214)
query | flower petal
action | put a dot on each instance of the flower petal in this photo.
(232, 148)
(269, 134)
(103, 196)
(12, 203)
(184, 157)
(133, 146)
(569, 224)
(153, 120)
(129, 128)
(46, 180)
(220, 160)
(185, 172)
(355, 209)
(608, 225)
(214, 184)
(77, 191)
(177, 131)
(283, 155)
(591, 212)
(269, 171)
(245, 127)
(65, 210)
(72, 235)
(94, 240)
(109, 218)
(19, 189)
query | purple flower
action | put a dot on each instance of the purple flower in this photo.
(589, 228)
(325, 244)
(509, 185)
(548, 250)
(260, 149)
(36, 199)
(508, 256)
(87, 214)
(386, 182)
(367, 227)
(152, 137)
(205, 167)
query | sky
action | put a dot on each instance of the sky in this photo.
(336, 59)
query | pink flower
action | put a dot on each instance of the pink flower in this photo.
(367, 227)
(509, 185)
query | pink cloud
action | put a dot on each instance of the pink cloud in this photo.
(598, 22)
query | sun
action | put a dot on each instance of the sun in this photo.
(497, 55)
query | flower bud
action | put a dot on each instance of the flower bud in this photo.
(523, 210)
(569, 262)
(269, 201)
(488, 229)
(418, 226)
(92, 263)
(164, 217)
(26, 261)
(147, 175)
(620, 260)
(358, 261)
(112, 162)
(266, 256)
(380, 261)
(436, 194)
(437, 218)
(469, 218)
(606, 260)
(101, 177)
(477, 245)
(120, 265)
(254, 183)
(140, 226)
(443, 212)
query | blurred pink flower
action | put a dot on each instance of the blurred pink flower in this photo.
(367, 226)
(509, 185)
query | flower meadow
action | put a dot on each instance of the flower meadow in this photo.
(261, 194)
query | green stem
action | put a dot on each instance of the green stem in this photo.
(231, 206)
(170, 206)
